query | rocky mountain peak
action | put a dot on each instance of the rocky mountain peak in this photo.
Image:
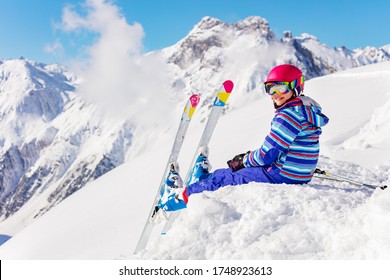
(207, 23)
(253, 23)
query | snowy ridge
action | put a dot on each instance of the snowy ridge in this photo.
(320, 220)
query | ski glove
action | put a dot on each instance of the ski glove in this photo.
(237, 162)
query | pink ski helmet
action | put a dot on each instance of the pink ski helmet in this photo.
(287, 73)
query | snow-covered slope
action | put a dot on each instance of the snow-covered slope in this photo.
(321, 220)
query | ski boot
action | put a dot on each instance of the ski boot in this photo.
(173, 196)
(202, 167)
(174, 180)
(175, 201)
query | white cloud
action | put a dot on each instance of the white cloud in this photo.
(117, 75)
(55, 48)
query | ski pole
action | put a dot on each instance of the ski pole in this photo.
(338, 178)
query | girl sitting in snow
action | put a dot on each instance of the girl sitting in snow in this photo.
(288, 155)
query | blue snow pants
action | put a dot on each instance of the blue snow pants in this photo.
(226, 177)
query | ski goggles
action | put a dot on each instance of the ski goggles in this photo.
(282, 87)
(277, 87)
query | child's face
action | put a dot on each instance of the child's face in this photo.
(280, 99)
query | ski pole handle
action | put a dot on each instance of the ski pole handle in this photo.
(322, 172)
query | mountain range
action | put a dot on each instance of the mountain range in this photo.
(54, 141)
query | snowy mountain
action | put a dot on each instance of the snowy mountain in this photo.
(245, 51)
(320, 220)
(54, 140)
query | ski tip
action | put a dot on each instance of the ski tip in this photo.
(228, 85)
(194, 99)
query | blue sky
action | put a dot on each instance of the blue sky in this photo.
(27, 27)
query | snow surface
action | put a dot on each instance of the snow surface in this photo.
(320, 220)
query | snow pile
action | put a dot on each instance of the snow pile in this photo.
(320, 220)
(280, 222)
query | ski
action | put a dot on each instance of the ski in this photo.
(216, 111)
(325, 175)
(186, 117)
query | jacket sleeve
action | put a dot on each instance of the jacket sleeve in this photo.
(284, 128)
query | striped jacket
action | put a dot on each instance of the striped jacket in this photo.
(292, 146)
